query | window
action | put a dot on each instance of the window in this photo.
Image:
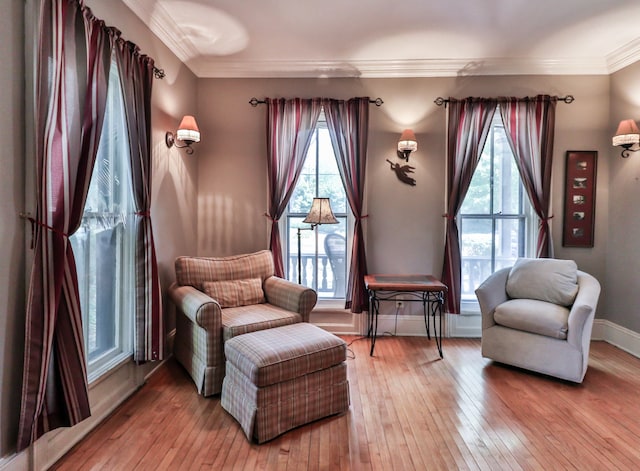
(103, 245)
(323, 250)
(495, 218)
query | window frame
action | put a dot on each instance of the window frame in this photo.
(526, 215)
(119, 220)
(290, 243)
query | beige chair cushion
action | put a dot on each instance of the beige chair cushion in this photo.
(234, 293)
(532, 315)
(545, 279)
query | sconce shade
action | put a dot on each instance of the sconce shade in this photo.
(407, 141)
(188, 130)
(320, 213)
(627, 134)
(407, 144)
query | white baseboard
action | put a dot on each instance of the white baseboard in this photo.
(18, 461)
(616, 335)
(460, 325)
(408, 326)
(338, 321)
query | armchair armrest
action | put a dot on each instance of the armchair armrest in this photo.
(583, 311)
(197, 306)
(491, 293)
(290, 296)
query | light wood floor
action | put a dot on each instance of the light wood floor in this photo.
(409, 410)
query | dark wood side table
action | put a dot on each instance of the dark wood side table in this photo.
(418, 288)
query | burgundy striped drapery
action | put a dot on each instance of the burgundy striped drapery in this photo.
(71, 80)
(290, 127)
(136, 78)
(468, 124)
(529, 124)
(348, 124)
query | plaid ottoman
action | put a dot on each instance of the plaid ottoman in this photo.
(278, 379)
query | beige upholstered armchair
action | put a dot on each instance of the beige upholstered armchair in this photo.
(538, 315)
(219, 298)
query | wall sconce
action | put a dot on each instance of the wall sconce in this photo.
(187, 132)
(320, 213)
(627, 136)
(407, 144)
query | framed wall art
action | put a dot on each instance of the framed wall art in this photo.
(579, 198)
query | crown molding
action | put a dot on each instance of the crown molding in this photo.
(624, 56)
(165, 28)
(396, 68)
(162, 24)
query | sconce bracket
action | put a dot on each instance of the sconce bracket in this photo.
(171, 141)
(404, 155)
(626, 150)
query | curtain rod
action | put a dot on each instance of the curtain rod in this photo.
(255, 102)
(86, 11)
(443, 101)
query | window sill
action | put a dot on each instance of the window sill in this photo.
(325, 305)
(107, 369)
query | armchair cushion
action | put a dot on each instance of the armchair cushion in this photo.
(235, 293)
(532, 315)
(244, 319)
(545, 279)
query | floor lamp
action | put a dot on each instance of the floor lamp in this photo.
(320, 213)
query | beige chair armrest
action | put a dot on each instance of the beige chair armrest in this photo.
(197, 306)
(583, 311)
(290, 296)
(491, 293)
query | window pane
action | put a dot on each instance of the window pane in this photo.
(477, 250)
(493, 219)
(506, 185)
(509, 242)
(323, 261)
(329, 181)
(103, 245)
(478, 198)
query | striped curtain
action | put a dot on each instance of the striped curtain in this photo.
(71, 80)
(290, 127)
(136, 77)
(468, 124)
(529, 124)
(348, 124)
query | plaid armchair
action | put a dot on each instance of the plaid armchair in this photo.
(219, 298)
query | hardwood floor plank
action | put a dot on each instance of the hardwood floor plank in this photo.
(409, 410)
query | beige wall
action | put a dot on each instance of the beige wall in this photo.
(623, 255)
(405, 226)
(174, 197)
(12, 233)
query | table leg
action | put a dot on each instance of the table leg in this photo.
(437, 333)
(374, 304)
(426, 302)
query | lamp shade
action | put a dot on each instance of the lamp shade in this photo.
(320, 212)
(627, 134)
(407, 141)
(188, 130)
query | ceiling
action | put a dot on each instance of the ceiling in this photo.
(395, 38)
